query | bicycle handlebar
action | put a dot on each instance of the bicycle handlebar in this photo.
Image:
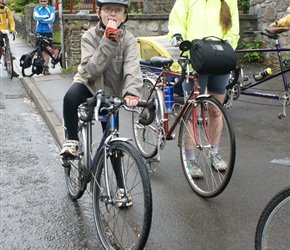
(183, 62)
(5, 32)
(270, 31)
(235, 81)
(44, 38)
(94, 106)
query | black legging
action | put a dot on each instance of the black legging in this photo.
(77, 94)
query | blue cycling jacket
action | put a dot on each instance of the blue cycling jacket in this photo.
(45, 17)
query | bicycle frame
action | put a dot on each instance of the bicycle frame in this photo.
(164, 117)
(283, 70)
(54, 60)
(284, 97)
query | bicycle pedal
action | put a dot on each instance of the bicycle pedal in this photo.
(65, 163)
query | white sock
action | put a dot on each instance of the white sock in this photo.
(189, 154)
(215, 149)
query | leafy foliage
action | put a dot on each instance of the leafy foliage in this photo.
(244, 6)
(253, 56)
(19, 5)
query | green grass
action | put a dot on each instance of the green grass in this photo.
(56, 36)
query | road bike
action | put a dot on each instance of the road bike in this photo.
(235, 89)
(273, 228)
(197, 131)
(5, 52)
(33, 63)
(120, 185)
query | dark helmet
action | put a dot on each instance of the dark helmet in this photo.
(126, 3)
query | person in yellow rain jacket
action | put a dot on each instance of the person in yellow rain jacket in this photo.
(283, 22)
(195, 19)
(6, 15)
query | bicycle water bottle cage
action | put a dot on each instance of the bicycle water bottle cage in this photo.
(38, 64)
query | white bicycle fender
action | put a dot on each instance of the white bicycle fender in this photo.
(203, 95)
(122, 139)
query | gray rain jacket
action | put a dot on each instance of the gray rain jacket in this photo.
(111, 66)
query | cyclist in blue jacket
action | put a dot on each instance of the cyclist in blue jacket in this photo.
(45, 16)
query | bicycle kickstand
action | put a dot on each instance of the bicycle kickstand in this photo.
(284, 99)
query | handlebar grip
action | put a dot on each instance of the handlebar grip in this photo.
(249, 32)
(151, 107)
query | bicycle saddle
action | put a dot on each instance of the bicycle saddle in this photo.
(276, 30)
(161, 61)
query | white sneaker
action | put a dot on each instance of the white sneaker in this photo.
(193, 169)
(123, 201)
(217, 162)
(70, 148)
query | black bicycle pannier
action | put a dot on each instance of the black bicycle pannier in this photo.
(209, 56)
(25, 61)
(37, 67)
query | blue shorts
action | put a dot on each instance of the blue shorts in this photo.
(214, 83)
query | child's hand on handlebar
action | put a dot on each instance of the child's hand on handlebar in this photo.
(131, 101)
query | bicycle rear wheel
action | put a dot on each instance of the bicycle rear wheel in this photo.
(213, 181)
(273, 228)
(76, 175)
(122, 227)
(8, 62)
(146, 137)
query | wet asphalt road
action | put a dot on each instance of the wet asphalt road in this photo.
(35, 210)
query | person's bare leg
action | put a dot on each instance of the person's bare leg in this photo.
(45, 57)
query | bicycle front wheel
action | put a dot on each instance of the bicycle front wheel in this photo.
(8, 62)
(76, 175)
(204, 128)
(122, 222)
(273, 228)
(146, 137)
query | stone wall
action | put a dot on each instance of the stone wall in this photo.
(157, 6)
(269, 11)
(139, 25)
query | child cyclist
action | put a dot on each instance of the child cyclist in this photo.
(109, 61)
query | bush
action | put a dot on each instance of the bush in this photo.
(19, 5)
(253, 56)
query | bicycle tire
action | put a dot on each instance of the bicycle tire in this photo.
(213, 181)
(146, 137)
(272, 231)
(75, 172)
(129, 227)
(8, 62)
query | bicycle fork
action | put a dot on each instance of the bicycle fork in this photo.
(116, 161)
